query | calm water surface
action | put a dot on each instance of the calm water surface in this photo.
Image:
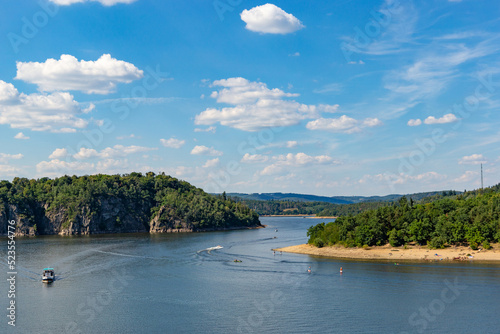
(172, 283)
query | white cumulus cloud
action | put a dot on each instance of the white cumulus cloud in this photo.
(448, 118)
(203, 150)
(211, 163)
(4, 157)
(59, 153)
(67, 73)
(474, 159)
(414, 122)
(256, 107)
(22, 136)
(56, 112)
(254, 158)
(172, 142)
(270, 19)
(343, 124)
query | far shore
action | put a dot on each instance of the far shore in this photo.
(305, 216)
(396, 254)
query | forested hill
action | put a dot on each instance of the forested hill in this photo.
(116, 204)
(333, 199)
(301, 204)
(470, 218)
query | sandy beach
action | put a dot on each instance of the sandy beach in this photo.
(413, 253)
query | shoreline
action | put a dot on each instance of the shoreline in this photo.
(305, 216)
(395, 254)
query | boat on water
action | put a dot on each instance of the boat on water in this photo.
(237, 261)
(48, 275)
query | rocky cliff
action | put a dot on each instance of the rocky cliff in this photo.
(115, 204)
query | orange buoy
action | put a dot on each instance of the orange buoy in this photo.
(341, 270)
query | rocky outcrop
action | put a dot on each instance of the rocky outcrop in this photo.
(166, 222)
(113, 215)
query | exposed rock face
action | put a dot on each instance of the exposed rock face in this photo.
(112, 216)
(165, 222)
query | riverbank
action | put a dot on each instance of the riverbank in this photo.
(304, 216)
(412, 253)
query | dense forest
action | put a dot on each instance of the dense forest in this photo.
(115, 203)
(471, 218)
(325, 209)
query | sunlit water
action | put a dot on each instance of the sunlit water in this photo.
(174, 283)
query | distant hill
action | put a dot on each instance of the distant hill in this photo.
(334, 199)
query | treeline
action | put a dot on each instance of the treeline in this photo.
(143, 195)
(471, 218)
(324, 209)
(284, 207)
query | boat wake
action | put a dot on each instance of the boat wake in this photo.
(209, 249)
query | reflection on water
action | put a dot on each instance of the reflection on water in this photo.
(184, 283)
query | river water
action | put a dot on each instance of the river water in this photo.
(174, 283)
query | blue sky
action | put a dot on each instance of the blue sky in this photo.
(328, 98)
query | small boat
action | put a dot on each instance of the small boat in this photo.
(48, 275)
(237, 261)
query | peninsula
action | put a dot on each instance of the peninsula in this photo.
(72, 205)
(461, 227)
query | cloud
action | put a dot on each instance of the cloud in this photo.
(343, 124)
(296, 160)
(448, 118)
(85, 153)
(121, 151)
(291, 144)
(56, 112)
(241, 91)
(57, 167)
(103, 2)
(474, 159)
(256, 107)
(399, 20)
(270, 19)
(328, 108)
(209, 129)
(429, 75)
(127, 137)
(67, 73)
(59, 153)
(172, 142)
(21, 135)
(402, 178)
(254, 158)
(211, 163)
(329, 88)
(9, 170)
(5, 158)
(106, 153)
(414, 122)
(467, 177)
(203, 150)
